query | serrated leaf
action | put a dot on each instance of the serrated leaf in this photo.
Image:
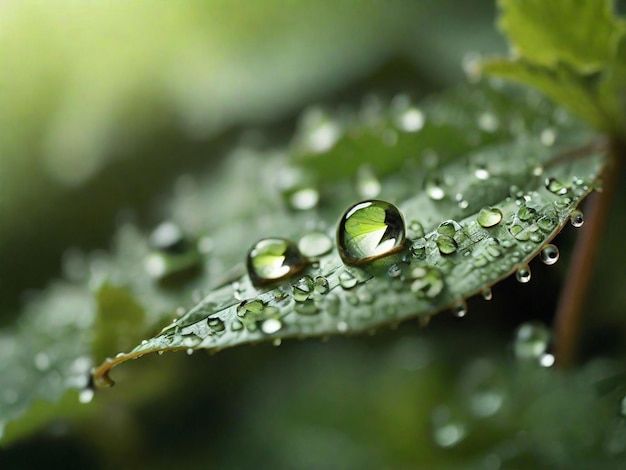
(581, 34)
(532, 178)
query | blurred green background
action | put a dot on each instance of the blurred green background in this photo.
(103, 104)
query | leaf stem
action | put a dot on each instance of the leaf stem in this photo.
(567, 323)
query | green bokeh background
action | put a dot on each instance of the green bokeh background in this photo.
(104, 104)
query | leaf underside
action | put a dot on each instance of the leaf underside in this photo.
(480, 148)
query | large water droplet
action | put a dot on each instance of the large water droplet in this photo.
(523, 274)
(549, 254)
(271, 259)
(531, 340)
(370, 230)
(576, 218)
(489, 217)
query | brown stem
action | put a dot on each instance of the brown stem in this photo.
(572, 299)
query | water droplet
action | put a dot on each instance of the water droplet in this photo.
(446, 431)
(271, 259)
(303, 199)
(320, 132)
(254, 307)
(481, 173)
(370, 230)
(169, 238)
(549, 254)
(410, 120)
(537, 171)
(428, 282)
(448, 228)
(546, 360)
(489, 217)
(547, 137)
(216, 324)
(416, 230)
(487, 293)
(367, 184)
(434, 189)
(271, 325)
(307, 307)
(236, 325)
(347, 280)
(576, 218)
(277, 342)
(531, 340)
(85, 396)
(303, 289)
(446, 244)
(555, 186)
(315, 244)
(394, 271)
(321, 285)
(546, 224)
(459, 309)
(523, 274)
(519, 233)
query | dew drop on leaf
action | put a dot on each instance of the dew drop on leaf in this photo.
(370, 230)
(434, 189)
(549, 254)
(489, 217)
(272, 259)
(347, 280)
(576, 219)
(555, 186)
(321, 285)
(303, 289)
(446, 244)
(487, 293)
(523, 274)
(459, 309)
(271, 325)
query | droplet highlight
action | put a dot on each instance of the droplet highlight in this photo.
(370, 230)
(549, 254)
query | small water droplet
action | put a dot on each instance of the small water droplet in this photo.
(303, 289)
(367, 184)
(448, 228)
(370, 230)
(487, 293)
(489, 217)
(428, 282)
(271, 326)
(459, 309)
(481, 173)
(523, 274)
(321, 285)
(547, 137)
(434, 189)
(546, 360)
(272, 259)
(169, 238)
(394, 271)
(576, 218)
(555, 186)
(446, 244)
(315, 244)
(347, 280)
(410, 120)
(236, 325)
(531, 340)
(549, 254)
(303, 199)
(85, 396)
(216, 324)
(416, 230)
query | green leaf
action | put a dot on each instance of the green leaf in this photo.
(580, 34)
(473, 216)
